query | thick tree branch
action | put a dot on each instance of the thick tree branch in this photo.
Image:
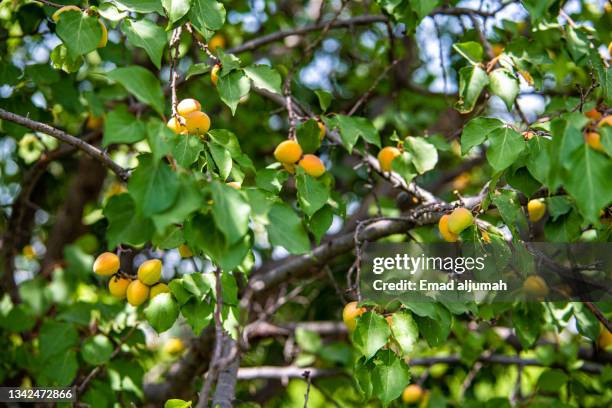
(67, 138)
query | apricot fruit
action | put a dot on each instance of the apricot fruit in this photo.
(214, 74)
(289, 167)
(536, 210)
(150, 271)
(444, 232)
(593, 139)
(175, 126)
(94, 122)
(104, 38)
(535, 286)
(497, 49)
(412, 394)
(350, 312)
(174, 346)
(606, 121)
(117, 286)
(386, 156)
(234, 184)
(158, 289)
(312, 165)
(185, 251)
(593, 114)
(288, 151)
(217, 41)
(28, 252)
(137, 293)
(106, 264)
(186, 106)
(322, 130)
(605, 339)
(56, 16)
(197, 123)
(460, 219)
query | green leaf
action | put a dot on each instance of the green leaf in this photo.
(564, 228)
(148, 36)
(470, 50)
(121, 126)
(552, 380)
(176, 9)
(222, 158)
(312, 193)
(435, 329)
(188, 199)
(320, 222)
(97, 350)
(423, 7)
(285, 229)
(324, 99)
(207, 15)
(80, 32)
(403, 166)
(371, 334)
(159, 138)
(140, 6)
(60, 370)
(405, 331)
(424, 155)
(527, 321)
(186, 149)
(586, 322)
(506, 146)
(351, 128)
(476, 131)
(558, 206)
(271, 180)
(55, 338)
(264, 77)
(177, 403)
(198, 314)
(142, 84)
(153, 185)
(10, 74)
(588, 181)
(233, 87)
(124, 224)
(504, 84)
(197, 69)
(230, 211)
(389, 377)
(162, 312)
(308, 136)
(472, 81)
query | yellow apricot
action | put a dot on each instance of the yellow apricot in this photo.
(150, 271)
(234, 184)
(94, 122)
(106, 264)
(217, 41)
(321, 130)
(186, 106)
(528, 135)
(28, 252)
(56, 16)
(350, 313)
(104, 38)
(459, 219)
(158, 289)
(606, 121)
(497, 49)
(197, 122)
(593, 114)
(174, 346)
(175, 126)
(214, 74)
(312, 165)
(117, 286)
(536, 210)
(386, 156)
(412, 394)
(535, 286)
(593, 139)
(288, 151)
(444, 232)
(605, 338)
(185, 251)
(137, 293)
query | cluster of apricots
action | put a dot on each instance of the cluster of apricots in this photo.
(190, 119)
(451, 225)
(103, 40)
(137, 291)
(592, 136)
(289, 153)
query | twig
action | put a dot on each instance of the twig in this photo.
(67, 138)
(174, 46)
(367, 94)
(203, 46)
(306, 376)
(595, 310)
(52, 4)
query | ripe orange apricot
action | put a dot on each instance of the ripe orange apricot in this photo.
(536, 210)
(444, 232)
(104, 38)
(150, 271)
(312, 165)
(535, 286)
(137, 293)
(185, 251)
(288, 151)
(106, 264)
(605, 338)
(197, 123)
(94, 122)
(606, 121)
(158, 289)
(186, 106)
(350, 313)
(412, 394)
(322, 129)
(386, 156)
(217, 41)
(214, 74)
(56, 16)
(175, 126)
(459, 219)
(593, 139)
(117, 286)
(593, 114)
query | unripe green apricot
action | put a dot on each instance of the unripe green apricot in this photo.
(459, 219)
